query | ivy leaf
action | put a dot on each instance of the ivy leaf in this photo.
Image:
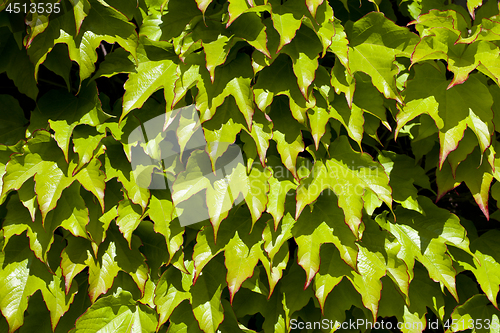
(176, 16)
(292, 300)
(275, 266)
(103, 23)
(72, 212)
(286, 134)
(462, 58)
(81, 10)
(155, 71)
(19, 68)
(342, 298)
(476, 308)
(206, 296)
(161, 210)
(19, 273)
(430, 249)
(172, 289)
(478, 182)
(73, 258)
(85, 141)
(352, 176)
(129, 217)
(12, 125)
(183, 320)
(280, 183)
(235, 9)
(274, 315)
(404, 175)
(233, 79)
(486, 269)
(250, 28)
(63, 112)
(241, 256)
(117, 165)
(115, 255)
(371, 267)
(279, 79)
(118, 61)
(92, 179)
(117, 312)
(241, 243)
(287, 19)
(453, 110)
(330, 274)
(221, 130)
(216, 43)
(374, 43)
(323, 224)
(261, 133)
(304, 51)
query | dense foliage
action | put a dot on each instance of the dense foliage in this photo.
(368, 135)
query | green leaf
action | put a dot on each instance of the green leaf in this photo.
(12, 124)
(117, 165)
(115, 255)
(19, 68)
(280, 183)
(161, 211)
(371, 267)
(103, 23)
(176, 16)
(352, 176)
(206, 296)
(420, 240)
(453, 110)
(473, 313)
(58, 61)
(487, 267)
(286, 134)
(304, 51)
(478, 182)
(85, 141)
(155, 71)
(118, 61)
(279, 79)
(63, 112)
(73, 258)
(242, 255)
(250, 28)
(287, 19)
(221, 130)
(40, 234)
(404, 175)
(324, 223)
(374, 43)
(115, 313)
(19, 269)
(274, 315)
(241, 243)
(232, 79)
(183, 320)
(330, 274)
(172, 289)
(129, 217)
(71, 211)
(293, 300)
(215, 41)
